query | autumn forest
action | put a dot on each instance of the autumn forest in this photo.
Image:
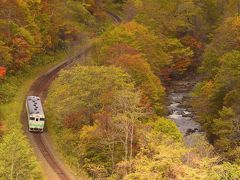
(131, 89)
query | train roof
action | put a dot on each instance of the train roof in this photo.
(35, 105)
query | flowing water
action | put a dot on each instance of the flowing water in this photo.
(180, 110)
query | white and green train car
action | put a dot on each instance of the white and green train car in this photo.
(35, 114)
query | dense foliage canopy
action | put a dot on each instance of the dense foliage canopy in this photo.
(107, 115)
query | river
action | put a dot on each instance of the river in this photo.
(180, 110)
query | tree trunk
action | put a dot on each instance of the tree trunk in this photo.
(13, 163)
(113, 148)
(131, 147)
(126, 142)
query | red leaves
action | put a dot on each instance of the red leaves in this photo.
(3, 72)
(118, 50)
(45, 6)
(133, 62)
(128, 58)
(20, 42)
(22, 52)
(103, 119)
(76, 120)
(106, 99)
(193, 43)
(146, 103)
(181, 65)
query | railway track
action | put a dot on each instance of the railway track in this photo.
(115, 18)
(49, 157)
(53, 167)
(41, 140)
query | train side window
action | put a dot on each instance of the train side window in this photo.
(32, 118)
(42, 119)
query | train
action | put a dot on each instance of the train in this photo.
(35, 114)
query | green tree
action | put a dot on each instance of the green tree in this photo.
(139, 38)
(225, 171)
(113, 137)
(219, 90)
(166, 17)
(225, 40)
(100, 109)
(16, 160)
(5, 55)
(126, 57)
(85, 88)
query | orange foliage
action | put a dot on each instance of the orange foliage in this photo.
(94, 9)
(22, 51)
(134, 62)
(181, 65)
(106, 99)
(127, 57)
(174, 171)
(118, 50)
(103, 119)
(178, 67)
(140, 70)
(2, 128)
(75, 120)
(45, 6)
(193, 43)
(3, 72)
(146, 103)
